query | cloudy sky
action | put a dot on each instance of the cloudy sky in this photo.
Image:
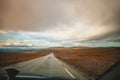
(54, 23)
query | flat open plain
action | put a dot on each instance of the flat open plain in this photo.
(92, 61)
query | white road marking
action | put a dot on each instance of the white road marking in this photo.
(60, 63)
(69, 73)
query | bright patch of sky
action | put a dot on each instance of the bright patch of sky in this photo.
(43, 40)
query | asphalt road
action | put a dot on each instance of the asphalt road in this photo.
(48, 65)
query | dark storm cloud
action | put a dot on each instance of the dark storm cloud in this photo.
(100, 13)
(115, 34)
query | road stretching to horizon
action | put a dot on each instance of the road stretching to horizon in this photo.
(48, 65)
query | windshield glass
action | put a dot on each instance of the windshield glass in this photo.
(48, 65)
(74, 39)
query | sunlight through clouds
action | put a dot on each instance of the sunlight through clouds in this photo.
(52, 22)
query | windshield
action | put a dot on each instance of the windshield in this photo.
(27, 76)
(71, 39)
(48, 66)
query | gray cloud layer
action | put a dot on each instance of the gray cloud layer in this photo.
(32, 15)
(98, 19)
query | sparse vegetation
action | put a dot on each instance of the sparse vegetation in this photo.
(92, 61)
(11, 58)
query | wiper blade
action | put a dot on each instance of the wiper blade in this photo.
(30, 76)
